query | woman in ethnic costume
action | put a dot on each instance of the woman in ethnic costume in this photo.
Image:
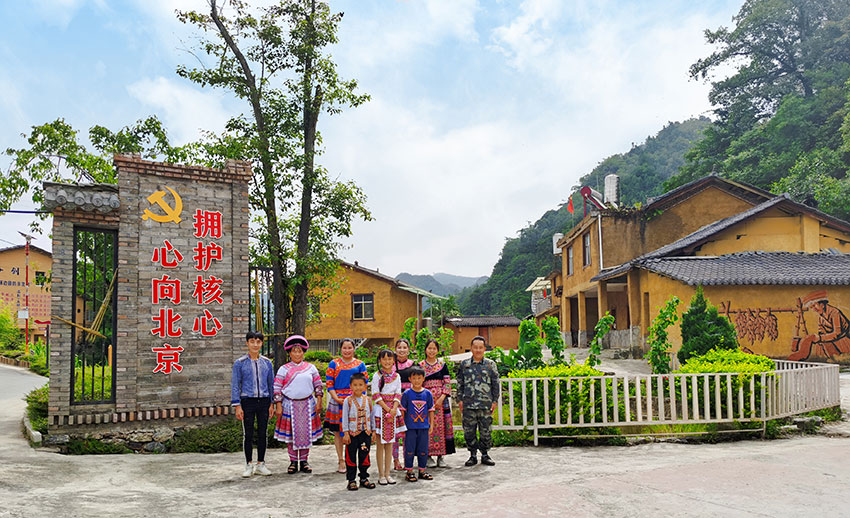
(402, 365)
(338, 379)
(438, 381)
(298, 402)
(386, 393)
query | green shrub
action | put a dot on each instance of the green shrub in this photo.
(554, 340)
(37, 407)
(225, 436)
(95, 447)
(703, 329)
(96, 376)
(599, 331)
(745, 379)
(318, 356)
(579, 399)
(657, 340)
(11, 338)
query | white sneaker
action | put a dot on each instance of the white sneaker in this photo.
(390, 480)
(261, 469)
(441, 462)
(383, 481)
(431, 462)
(249, 470)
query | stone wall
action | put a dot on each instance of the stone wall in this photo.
(145, 399)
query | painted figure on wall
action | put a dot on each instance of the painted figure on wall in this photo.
(833, 336)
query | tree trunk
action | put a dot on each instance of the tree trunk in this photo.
(312, 105)
(281, 306)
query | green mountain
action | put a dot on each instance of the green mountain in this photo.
(642, 171)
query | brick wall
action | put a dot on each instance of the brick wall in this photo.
(202, 388)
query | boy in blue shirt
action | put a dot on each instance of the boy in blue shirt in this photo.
(251, 393)
(417, 403)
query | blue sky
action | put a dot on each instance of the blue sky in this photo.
(484, 114)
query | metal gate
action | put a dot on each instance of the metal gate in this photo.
(261, 313)
(94, 315)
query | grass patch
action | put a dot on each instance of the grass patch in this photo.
(95, 447)
(829, 415)
(37, 408)
(101, 376)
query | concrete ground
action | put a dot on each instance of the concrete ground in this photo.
(807, 475)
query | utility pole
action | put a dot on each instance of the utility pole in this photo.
(27, 294)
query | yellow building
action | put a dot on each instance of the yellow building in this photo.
(498, 331)
(369, 307)
(13, 266)
(761, 258)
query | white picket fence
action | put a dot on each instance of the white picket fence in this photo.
(537, 404)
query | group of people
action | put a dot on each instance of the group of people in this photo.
(409, 408)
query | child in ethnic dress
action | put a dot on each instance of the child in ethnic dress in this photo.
(358, 423)
(337, 377)
(417, 403)
(402, 366)
(438, 381)
(298, 400)
(386, 393)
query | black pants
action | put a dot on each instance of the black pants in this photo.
(358, 451)
(255, 407)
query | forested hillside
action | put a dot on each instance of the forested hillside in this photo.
(783, 115)
(642, 171)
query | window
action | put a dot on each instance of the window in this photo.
(362, 307)
(570, 260)
(40, 278)
(586, 246)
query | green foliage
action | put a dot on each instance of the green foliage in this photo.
(318, 356)
(527, 355)
(703, 329)
(37, 400)
(782, 117)
(529, 255)
(746, 370)
(409, 329)
(502, 438)
(443, 336)
(11, 338)
(95, 447)
(726, 360)
(554, 340)
(92, 382)
(225, 436)
(580, 398)
(602, 328)
(440, 309)
(37, 358)
(657, 339)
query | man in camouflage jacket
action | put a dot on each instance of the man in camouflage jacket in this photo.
(478, 394)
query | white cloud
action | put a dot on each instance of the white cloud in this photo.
(186, 110)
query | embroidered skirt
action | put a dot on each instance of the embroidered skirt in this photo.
(442, 441)
(300, 423)
(333, 415)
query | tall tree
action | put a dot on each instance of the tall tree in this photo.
(275, 58)
(784, 53)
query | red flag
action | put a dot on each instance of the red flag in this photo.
(570, 205)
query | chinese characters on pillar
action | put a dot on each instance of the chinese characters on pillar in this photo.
(166, 290)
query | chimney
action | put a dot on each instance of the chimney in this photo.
(612, 190)
(555, 238)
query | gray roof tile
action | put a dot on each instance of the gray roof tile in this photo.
(755, 268)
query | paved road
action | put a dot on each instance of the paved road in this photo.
(792, 477)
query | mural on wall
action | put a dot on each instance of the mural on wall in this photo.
(831, 339)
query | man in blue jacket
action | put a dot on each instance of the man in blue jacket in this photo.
(251, 393)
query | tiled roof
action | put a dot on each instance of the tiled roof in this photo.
(484, 321)
(693, 238)
(766, 268)
(100, 197)
(403, 285)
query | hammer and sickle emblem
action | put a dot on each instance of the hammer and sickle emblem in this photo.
(171, 213)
